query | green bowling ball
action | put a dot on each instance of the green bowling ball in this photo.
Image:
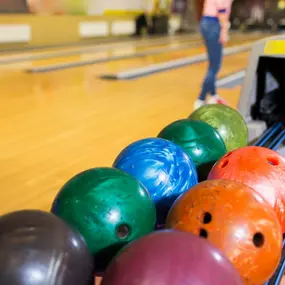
(108, 207)
(199, 140)
(227, 121)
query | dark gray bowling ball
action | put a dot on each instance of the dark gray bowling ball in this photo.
(38, 248)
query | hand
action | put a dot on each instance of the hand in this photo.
(224, 37)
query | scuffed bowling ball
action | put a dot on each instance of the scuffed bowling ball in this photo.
(170, 257)
(237, 220)
(227, 121)
(39, 248)
(199, 140)
(260, 168)
(162, 167)
(108, 207)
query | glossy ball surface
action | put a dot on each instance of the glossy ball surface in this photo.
(260, 168)
(237, 220)
(228, 123)
(162, 167)
(199, 140)
(170, 257)
(108, 207)
(39, 248)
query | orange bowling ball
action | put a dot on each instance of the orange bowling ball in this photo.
(237, 220)
(260, 168)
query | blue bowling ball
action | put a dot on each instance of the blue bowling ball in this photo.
(162, 167)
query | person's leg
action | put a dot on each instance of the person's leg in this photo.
(215, 99)
(210, 30)
(216, 63)
(211, 34)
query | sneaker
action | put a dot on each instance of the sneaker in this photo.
(216, 99)
(199, 103)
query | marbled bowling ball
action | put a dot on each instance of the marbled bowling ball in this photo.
(260, 168)
(237, 220)
(162, 167)
(227, 121)
(199, 140)
(38, 248)
(108, 207)
(170, 257)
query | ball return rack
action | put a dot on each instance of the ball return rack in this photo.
(262, 104)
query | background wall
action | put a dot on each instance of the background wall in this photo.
(79, 7)
(56, 22)
(99, 7)
(14, 6)
(44, 7)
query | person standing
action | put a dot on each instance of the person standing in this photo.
(214, 27)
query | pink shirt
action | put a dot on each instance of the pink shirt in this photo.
(213, 7)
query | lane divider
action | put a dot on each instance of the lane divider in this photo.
(232, 80)
(170, 65)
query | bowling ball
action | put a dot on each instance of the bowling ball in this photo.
(108, 207)
(227, 121)
(39, 248)
(237, 220)
(170, 257)
(199, 140)
(162, 167)
(260, 168)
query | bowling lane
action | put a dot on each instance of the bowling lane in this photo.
(122, 65)
(131, 51)
(122, 51)
(103, 43)
(177, 51)
(96, 55)
(75, 52)
(118, 65)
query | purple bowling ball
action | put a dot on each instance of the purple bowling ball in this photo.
(171, 257)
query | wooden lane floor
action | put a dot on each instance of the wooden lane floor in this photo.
(114, 66)
(121, 51)
(92, 53)
(103, 42)
(106, 54)
(189, 49)
(88, 48)
(55, 125)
